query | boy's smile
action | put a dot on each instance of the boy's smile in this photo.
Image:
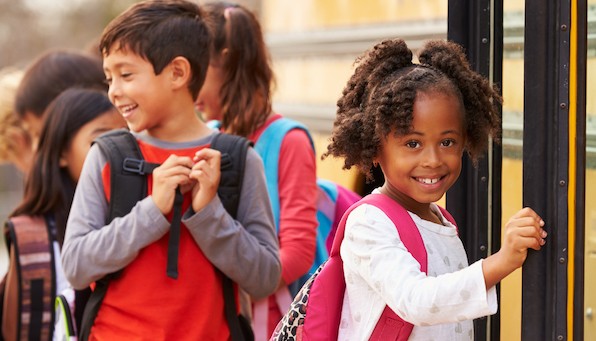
(126, 110)
(422, 165)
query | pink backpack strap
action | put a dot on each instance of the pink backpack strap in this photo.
(345, 199)
(328, 289)
(390, 326)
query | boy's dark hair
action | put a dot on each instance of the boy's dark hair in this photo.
(53, 72)
(379, 98)
(49, 187)
(159, 31)
(248, 78)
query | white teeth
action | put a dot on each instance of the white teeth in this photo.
(428, 181)
(126, 108)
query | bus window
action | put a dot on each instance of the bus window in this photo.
(590, 207)
(513, 92)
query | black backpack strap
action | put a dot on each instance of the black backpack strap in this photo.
(34, 257)
(127, 188)
(233, 160)
(174, 238)
(126, 164)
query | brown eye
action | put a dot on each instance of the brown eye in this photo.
(448, 143)
(412, 144)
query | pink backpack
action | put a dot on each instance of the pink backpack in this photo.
(316, 311)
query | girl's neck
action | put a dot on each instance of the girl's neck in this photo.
(423, 210)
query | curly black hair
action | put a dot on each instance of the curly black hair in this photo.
(379, 98)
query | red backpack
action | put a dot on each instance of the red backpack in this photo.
(316, 311)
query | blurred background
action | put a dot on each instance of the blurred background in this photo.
(313, 44)
(29, 27)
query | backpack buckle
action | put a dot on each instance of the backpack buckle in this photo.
(133, 165)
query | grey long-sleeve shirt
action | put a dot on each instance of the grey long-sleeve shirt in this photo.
(246, 249)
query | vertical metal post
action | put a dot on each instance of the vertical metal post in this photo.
(475, 199)
(545, 166)
(580, 20)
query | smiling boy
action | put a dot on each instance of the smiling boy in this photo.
(155, 59)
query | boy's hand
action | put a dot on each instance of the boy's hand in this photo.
(172, 173)
(206, 172)
(524, 230)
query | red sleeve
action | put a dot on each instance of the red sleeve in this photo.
(106, 176)
(298, 200)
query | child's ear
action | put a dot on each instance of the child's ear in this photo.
(180, 72)
(219, 59)
(62, 162)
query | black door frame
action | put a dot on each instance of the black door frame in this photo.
(475, 199)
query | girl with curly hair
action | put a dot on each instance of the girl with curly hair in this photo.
(415, 120)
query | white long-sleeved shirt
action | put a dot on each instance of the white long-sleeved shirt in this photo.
(380, 271)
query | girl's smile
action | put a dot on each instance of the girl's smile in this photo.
(430, 183)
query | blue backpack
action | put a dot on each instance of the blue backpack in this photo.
(333, 199)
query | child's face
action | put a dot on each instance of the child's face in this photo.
(423, 164)
(74, 155)
(142, 97)
(209, 102)
(34, 125)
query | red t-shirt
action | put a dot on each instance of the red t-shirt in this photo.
(144, 303)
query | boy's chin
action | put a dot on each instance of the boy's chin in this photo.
(133, 128)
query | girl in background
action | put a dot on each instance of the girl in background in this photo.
(237, 92)
(73, 120)
(48, 75)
